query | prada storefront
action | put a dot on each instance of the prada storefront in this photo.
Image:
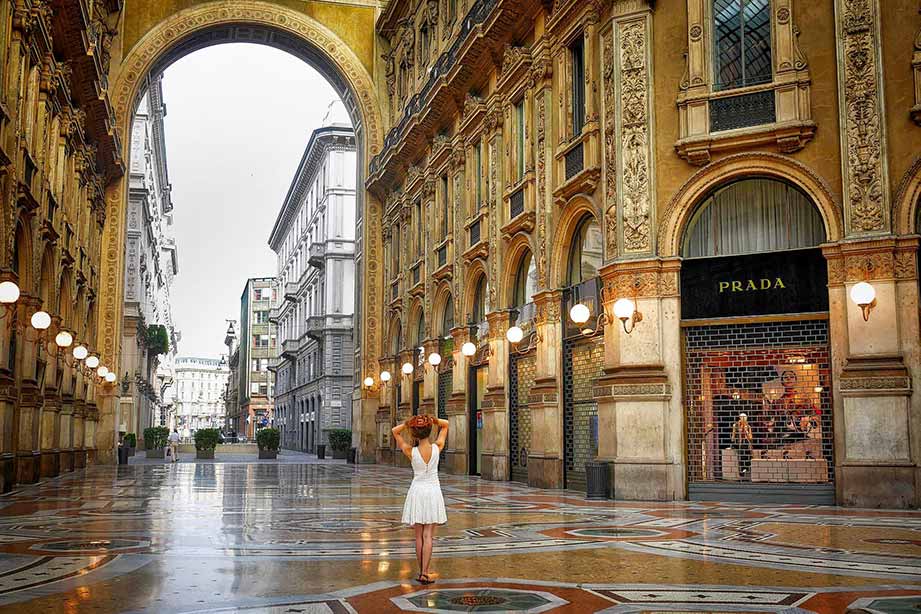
(755, 342)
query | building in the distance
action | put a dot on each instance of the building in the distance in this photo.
(314, 238)
(199, 392)
(149, 336)
(253, 409)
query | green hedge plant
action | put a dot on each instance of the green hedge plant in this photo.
(340, 440)
(268, 439)
(157, 339)
(155, 437)
(130, 440)
(206, 439)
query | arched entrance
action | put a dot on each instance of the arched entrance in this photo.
(755, 344)
(266, 23)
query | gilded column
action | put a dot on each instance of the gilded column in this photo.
(457, 406)
(494, 455)
(28, 454)
(65, 440)
(51, 410)
(545, 453)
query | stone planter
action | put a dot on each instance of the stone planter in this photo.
(268, 454)
(131, 451)
(340, 454)
(157, 453)
(204, 454)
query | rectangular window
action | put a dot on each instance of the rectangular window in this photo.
(741, 43)
(577, 60)
(261, 317)
(254, 388)
(445, 206)
(519, 140)
(419, 228)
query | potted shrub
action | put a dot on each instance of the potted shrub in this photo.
(155, 438)
(268, 439)
(340, 440)
(205, 442)
(130, 441)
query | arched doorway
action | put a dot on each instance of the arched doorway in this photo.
(522, 364)
(755, 344)
(211, 23)
(478, 366)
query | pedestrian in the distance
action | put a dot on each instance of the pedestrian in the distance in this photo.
(425, 505)
(174, 446)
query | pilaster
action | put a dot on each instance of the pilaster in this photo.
(640, 420)
(494, 455)
(28, 454)
(430, 381)
(545, 456)
(457, 408)
(877, 418)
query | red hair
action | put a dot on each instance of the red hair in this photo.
(420, 427)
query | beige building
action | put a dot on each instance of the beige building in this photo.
(521, 159)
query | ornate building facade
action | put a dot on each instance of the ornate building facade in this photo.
(314, 238)
(677, 238)
(57, 155)
(151, 263)
(200, 384)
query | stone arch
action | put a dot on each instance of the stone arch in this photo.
(573, 213)
(21, 258)
(682, 205)
(46, 278)
(64, 307)
(412, 335)
(442, 296)
(476, 269)
(394, 335)
(907, 204)
(519, 246)
(194, 28)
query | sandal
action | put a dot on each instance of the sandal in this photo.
(427, 580)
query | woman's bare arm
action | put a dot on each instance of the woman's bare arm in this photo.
(442, 433)
(398, 437)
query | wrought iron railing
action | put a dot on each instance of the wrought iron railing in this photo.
(516, 203)
(731, 112)
(575, 161)
(475, 233)
(442, 255)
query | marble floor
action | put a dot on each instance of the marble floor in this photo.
(326, 537)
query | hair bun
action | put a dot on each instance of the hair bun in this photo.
(420, 422)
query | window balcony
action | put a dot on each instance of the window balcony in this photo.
(315, 327)
(289, 349)
(317, 254)
(477, 236)
(291, 292)
(274, 315)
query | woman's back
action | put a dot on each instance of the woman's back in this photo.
(425, 471)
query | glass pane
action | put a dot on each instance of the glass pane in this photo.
(727, 53)
(591, 250)
(757, 16)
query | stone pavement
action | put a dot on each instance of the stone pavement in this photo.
(284, 456)
(326, 537)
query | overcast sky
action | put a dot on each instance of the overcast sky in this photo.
(238, 117)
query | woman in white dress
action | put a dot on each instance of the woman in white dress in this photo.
(425, 505)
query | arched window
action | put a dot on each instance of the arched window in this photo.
(479, 301)
(525, 280)
(752, 216)
(420, 329)
(742, 43)
(396, 341)
(447, 317)
(585, 253)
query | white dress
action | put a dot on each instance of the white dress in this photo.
(424, 501)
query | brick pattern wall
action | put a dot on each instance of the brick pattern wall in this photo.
(778, 375)
(583, 360)
(521, 379)
(445, 382)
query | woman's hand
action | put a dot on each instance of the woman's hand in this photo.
(442, 432)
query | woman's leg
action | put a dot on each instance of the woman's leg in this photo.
(419, 543)
(427, 537)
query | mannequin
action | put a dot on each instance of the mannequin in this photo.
(742, 441)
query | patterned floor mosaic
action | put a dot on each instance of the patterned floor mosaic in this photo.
(314, 537)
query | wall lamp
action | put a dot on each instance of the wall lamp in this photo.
(407, 368)
(624, 309)
(864, 294)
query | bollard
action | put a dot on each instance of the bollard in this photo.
(597, 479)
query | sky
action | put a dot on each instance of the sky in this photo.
(238, 117)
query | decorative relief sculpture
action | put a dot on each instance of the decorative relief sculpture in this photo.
(541, 187)
(866, 198)
(634, 172)
(610, 144)
(916, 72)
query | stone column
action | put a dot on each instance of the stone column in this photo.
(456, 449)
(91, 418)
(494, 456)
(79, 416)
(386, 413)
(405, 405)
(7, 402)
(51, 411)
(876, 417)
(65, 440)
(640, 420)
(430, 383)
(28, 454)
(545, 457)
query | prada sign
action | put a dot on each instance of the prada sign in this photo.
(758, 284)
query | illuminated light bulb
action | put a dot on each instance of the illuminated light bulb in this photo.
(369, 381)
(80, 352)
(41, 320)
(92, 362)
(863, 293)
(110, 377)
(9, 292)
(580, 313)
(624, 308)
(434, 359)
(468, 349)
(385, 376)
(102, 371)
(407, 368)
(514, 334)
(63, 339)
